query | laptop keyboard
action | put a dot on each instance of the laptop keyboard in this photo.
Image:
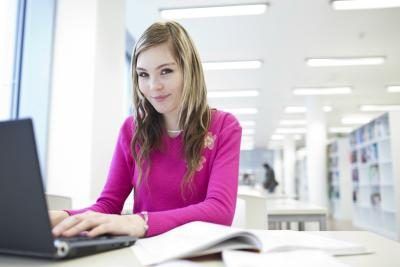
(84, 238)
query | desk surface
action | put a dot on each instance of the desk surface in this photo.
(387, 254)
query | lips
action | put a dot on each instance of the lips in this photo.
(161, 97)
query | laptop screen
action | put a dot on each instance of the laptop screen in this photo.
(24, 221)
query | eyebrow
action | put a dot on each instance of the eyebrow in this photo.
(159, 67)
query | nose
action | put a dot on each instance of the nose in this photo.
(155, 84)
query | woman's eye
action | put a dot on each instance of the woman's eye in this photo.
(142, 74)
(165, 71)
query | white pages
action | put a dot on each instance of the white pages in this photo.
(201, 238)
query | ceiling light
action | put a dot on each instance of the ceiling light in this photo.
(356, 119)
(216, 11)
(292, 122)
(297, 137)
(223, 93)
(364, 4)
(247, 123)
(327, 62)
(302, 109)
(393, 89)
(232, 65)
(323, 91)
(248, 138)
(277, 137)
(291, 130)
(241, 111)
(248, 131)
(379, 107)
(280, 137)
(246, 145)
(340, 129)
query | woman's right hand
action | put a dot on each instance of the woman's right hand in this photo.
(57, 216)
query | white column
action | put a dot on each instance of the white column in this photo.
(316, 152)
(289, 161)
(278, 169)
(87, 103)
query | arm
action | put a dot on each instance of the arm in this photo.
(219, 204)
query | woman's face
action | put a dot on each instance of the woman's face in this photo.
(160, 78)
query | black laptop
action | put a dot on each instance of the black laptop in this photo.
(24, 221)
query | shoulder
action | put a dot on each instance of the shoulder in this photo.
(127, 127)
(221, 120)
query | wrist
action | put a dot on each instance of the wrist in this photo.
(138, 224)
(145, 219)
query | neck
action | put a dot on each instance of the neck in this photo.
(171, 122)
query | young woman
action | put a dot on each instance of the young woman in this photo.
(180, 157)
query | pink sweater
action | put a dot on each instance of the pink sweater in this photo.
(215, 183)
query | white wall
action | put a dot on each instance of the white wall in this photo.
(87, 102)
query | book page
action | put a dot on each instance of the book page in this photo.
(193, 239)
(309, 258)
(285, 240)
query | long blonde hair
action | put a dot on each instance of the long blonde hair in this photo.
(194, 113)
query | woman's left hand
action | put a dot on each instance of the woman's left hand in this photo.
(95, 223)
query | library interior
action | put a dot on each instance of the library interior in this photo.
(313, 86)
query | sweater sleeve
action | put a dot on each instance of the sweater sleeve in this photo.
(118, 185)
(219, 204)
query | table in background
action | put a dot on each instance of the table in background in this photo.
(290, 210)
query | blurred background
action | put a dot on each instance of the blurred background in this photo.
(309, 81)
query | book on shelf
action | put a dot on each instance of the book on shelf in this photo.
(202, 238)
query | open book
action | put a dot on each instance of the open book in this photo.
(201, 238)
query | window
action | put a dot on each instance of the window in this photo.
(8, 48)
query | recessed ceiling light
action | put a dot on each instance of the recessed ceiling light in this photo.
(232, 65)
(241, 111)
(393, 88)
(276, 137)
(247, 123)
(297, 137)
(247, 145)
(329, 62)
(295, 109)
(322, 91)
(356, 119)
(291, 130)
(364, 4)
(215, 11)
(281, 137)
(379, 107)
(340, 129)
(302, 109)
(247, 138)
(292, 122)
(236, 93)
(247, 131)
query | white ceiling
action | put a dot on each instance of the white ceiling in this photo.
(283, 37)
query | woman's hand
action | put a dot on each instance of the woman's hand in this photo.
(56, 216)
(95, 223)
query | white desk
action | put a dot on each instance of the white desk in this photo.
(290, 210)
(387, 254)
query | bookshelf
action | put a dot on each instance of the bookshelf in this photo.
(375, 174)
(339, 181)
(301, 183)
